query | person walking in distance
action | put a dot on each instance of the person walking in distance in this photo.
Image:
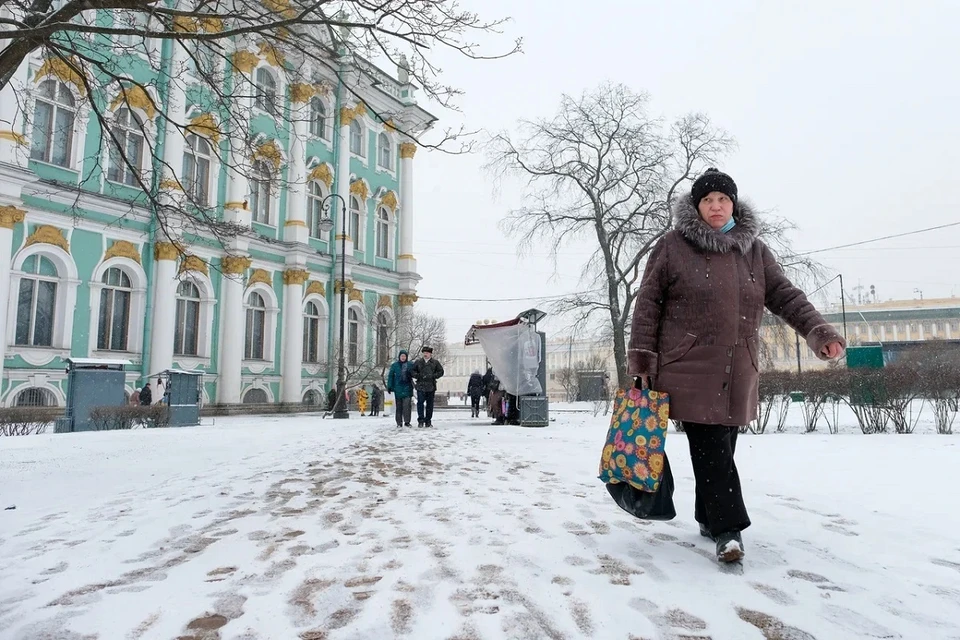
(695, 335)
(376, 401)
(400, 384)
(426, 372)
(475, 389)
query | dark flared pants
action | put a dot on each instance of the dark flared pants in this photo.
(425, 405)
(402, 409)
(719, 499)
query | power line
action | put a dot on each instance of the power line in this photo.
(553, 297)
(863, 242)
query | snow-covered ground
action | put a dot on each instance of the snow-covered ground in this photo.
(295, 527)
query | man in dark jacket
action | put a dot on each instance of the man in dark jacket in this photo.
(400, 384)
(426, 372)
(475, 389)
(146, 395)
(376, 399)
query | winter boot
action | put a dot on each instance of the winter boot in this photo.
(729, 547)
(429, 424)
(705, 532)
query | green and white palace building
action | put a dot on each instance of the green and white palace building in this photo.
(84, 272)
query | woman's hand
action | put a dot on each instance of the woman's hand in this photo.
(832, 351)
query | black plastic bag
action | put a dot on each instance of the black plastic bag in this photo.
(644, 504)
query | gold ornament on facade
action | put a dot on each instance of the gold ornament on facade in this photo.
(295, 276)
(123, 249)
(10, 216)
(408, 149)
(348, 115)
(407, 299)
(65, 70)
(338, 288)
(244, 61)
(301, 92)
(234, 265)
(13, 136)
(260, 275)
(322, 173)
(390, 126)
(170, 184)
(280, 6)
(205, 125)
(190, 24)
(137, 98)
(194, 263)
(46, 234)
(359, 189)
(271, 55)
(269, 151)
(355, 295)
(389, 200)
(384, 302)
(317, 288)
(165, 251)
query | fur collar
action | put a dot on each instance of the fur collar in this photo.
(686, 220)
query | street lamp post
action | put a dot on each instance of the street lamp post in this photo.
(326, 225)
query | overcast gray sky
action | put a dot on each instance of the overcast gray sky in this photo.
(847, 117)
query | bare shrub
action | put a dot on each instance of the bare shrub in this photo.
(129, 417)
(774, 401)
(866, 397)
(26, 421)
(902, 384)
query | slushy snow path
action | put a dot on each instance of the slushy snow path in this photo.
(293, 528)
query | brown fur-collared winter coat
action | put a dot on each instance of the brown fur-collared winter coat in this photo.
(697, 316)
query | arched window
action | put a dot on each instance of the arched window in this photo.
(256, 327)
(312, 398)
(315, 209)
(318, 119)
(265, 91)
(196, 169)
(383, 233)
(311, 333)
(54, 115)
(261, 193)
(126, 148)
(355, 221)
(35, 397)
(114, 311)
(356, 139)
(385, 152)
(353, 337)
(255, 396)
(37, 302)
(383, 339)
(186, 337)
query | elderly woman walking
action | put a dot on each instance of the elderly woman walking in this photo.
(695, 335)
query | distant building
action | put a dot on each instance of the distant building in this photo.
(894, 321)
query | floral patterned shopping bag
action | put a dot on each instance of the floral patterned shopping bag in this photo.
(634, 451)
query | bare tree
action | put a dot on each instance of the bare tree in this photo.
(320, 45)
(571, 378)
(602, 173)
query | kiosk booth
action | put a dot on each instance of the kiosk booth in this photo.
(517, 352)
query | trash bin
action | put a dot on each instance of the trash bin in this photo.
(91, 383)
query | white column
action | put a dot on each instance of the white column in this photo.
(232, 320)
(13, 145)
(174, 137)
(236, 208)
(292, 338)
(9, 216)
(295, 229)
(343, 180)
(406, 263)
(164, 307)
